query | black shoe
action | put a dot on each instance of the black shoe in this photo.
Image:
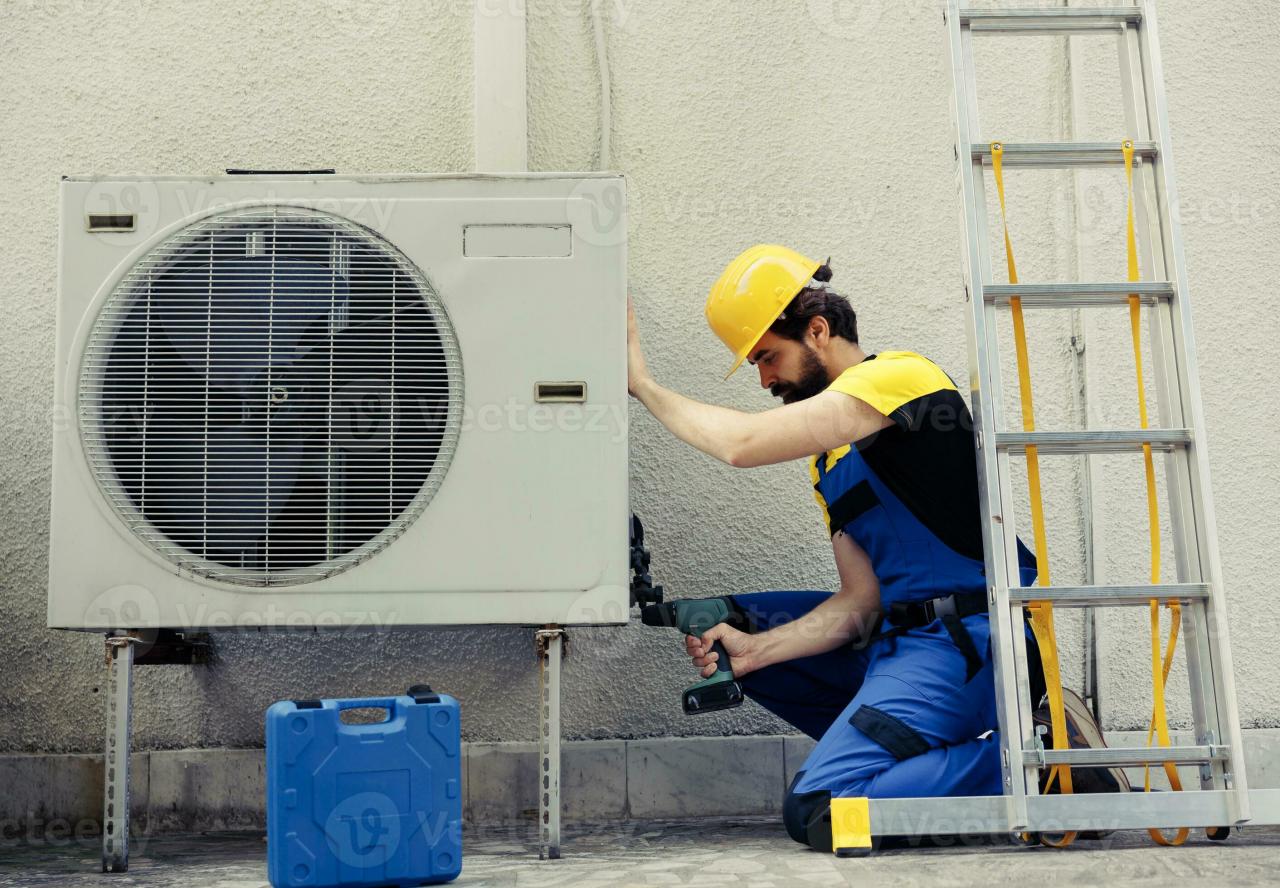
(1082, 733)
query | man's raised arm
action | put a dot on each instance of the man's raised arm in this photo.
(812, 426)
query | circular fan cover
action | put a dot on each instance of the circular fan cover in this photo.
(270, 396)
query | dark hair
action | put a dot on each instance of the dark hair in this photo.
(810, 302)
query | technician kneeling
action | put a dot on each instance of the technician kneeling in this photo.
(892, 673)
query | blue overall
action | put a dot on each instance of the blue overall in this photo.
(906, 716)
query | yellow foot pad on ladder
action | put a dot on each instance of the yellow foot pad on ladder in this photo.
(851, 827)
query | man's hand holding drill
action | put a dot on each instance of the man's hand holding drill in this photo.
(739, 645)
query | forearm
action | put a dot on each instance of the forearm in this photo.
(842, 618)
(717, 431)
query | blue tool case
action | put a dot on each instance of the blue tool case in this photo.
(364, 804)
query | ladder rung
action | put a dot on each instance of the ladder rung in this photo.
(1107, 596)
(1108, 441)
(1057, 20)
(1078, 295)
(1051, 155)
(1137, 755)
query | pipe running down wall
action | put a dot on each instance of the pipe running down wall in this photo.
(501, 113)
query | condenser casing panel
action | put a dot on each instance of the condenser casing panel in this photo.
(319, 400)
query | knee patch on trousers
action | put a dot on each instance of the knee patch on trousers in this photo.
(807, 816)
(893, 734)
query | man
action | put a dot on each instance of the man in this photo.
(892, 673)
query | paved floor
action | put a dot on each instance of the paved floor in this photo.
(750, 852)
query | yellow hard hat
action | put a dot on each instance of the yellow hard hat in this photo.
(751, 293)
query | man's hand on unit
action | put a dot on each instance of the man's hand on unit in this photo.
(637, 371)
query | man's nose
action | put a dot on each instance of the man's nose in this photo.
(767, 377)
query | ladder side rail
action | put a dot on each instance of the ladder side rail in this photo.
(1026, 706)
(984, 384)
(1000, 513)
(969, 815)
(1154, 260)
(1215, 623)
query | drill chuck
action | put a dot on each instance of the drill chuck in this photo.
(659, 615)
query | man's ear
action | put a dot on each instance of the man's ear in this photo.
(819, 330)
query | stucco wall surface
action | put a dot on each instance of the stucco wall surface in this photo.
(823, 124)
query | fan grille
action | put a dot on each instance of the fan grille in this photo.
(270, 396)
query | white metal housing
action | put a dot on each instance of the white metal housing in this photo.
(525, 518)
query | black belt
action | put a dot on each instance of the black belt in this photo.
(915, 614)
(950, 609)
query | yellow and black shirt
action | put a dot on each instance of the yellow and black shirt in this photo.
(926, 459)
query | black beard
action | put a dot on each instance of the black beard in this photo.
(813, 380)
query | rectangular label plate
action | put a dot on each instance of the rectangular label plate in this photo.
(509, 241)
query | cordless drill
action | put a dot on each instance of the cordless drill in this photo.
(694, 616)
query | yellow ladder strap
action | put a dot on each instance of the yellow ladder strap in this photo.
(1041, 611)
(1159, 725)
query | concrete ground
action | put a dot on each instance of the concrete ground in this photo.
(753, 852)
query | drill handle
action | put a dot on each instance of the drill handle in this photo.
(722, 663)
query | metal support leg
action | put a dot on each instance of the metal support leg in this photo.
(552, 645)
(115, 809)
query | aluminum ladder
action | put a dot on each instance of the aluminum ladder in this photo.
(1223, 798)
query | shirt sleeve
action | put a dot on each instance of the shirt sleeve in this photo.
(892, 381)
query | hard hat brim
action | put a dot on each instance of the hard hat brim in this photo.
(737, 364)
(742, 357)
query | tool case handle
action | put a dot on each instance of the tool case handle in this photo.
(388, 703)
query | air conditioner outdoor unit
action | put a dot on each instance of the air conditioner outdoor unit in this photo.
(309, 400)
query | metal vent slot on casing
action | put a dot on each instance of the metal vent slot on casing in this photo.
(110, 222)
(560, 392)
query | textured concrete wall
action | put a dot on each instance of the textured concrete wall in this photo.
(819, 123)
